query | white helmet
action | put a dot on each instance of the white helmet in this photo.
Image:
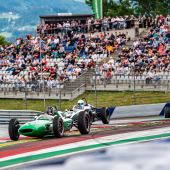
(81, 104)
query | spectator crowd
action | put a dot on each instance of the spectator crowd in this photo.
(148, 55)
(50, 59)
(54, 59)
(95, 25)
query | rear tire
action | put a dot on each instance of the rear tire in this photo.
(84, 123)
(167, 112)
(104, 115)
(58, 127)
(13, 129)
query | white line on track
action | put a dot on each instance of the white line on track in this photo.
(101, 140)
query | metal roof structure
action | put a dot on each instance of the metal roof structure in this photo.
(64, 17)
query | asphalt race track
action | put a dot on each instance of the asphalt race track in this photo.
(28, 151)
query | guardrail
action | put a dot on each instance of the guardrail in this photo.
(134, 111)
(22, 115)
(119, 112)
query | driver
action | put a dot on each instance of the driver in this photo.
(50, 111)
(80, 104)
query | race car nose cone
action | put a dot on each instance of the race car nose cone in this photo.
(27, 129)
(33, 129)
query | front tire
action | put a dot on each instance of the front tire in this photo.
(104, 115)
(13, 129)
(58, 127)
(84, 122)
(167, 112)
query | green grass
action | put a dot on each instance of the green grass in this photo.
(103, 99)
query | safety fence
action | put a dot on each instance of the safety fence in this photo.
(47, 93)
(130, 83)
(22, 115)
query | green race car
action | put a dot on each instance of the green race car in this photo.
(52, 122)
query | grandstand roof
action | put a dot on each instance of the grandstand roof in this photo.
(64, 17)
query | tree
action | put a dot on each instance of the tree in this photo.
(3, 41)
(89, 2)
(111, 8)
(151, 7)
(125, 8)
(138, 7)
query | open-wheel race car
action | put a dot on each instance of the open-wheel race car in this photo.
(54, 122)
(102, 113)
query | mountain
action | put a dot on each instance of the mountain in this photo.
(20, 17)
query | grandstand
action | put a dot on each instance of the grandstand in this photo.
(61, 60)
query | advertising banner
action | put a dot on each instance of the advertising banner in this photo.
(98, 8)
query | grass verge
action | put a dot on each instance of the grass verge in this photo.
(103, 99)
